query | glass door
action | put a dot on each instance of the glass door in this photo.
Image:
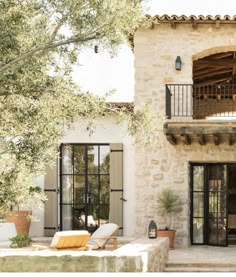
(85, 186)
(198, 204)
(209, 204)
(217, 209)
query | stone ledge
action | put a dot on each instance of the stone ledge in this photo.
(141, 255)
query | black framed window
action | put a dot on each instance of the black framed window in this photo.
(209, 206)
(84, 186)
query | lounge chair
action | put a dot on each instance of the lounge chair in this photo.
(67, 240)
(102, 235)
(80, 240)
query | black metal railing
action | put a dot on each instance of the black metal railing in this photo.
(200, 101)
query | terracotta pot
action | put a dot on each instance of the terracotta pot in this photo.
(167, 233)
(21, 220)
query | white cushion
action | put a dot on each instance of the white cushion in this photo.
(66, 233)
(104, 231)
(90, 220)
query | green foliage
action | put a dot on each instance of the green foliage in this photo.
(20, 241)
(18, 191)
(40, 41)
(169, 204)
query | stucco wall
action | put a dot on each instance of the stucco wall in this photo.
(166, 165)
(107, 131)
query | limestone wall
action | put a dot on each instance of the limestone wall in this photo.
(143, 255)
(166, 165)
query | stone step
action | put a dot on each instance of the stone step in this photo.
(200, 269)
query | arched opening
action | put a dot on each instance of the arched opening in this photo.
(214, 89)
(218, 68)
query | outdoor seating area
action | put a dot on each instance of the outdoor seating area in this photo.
(81, 240)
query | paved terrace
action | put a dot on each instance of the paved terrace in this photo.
(202, 259)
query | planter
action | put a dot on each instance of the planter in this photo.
(21, 219)
(167, 233)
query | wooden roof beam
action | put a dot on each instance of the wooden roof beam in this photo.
(216, 63)
(171, 139)
(211, 73)
(201, 139)
(214, 81)
(185, 138)
(216, 139)
(231, 139)
(221, 55)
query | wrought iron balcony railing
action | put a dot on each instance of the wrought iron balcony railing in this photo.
(200, 101)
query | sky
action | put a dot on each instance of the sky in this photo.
(99, 73)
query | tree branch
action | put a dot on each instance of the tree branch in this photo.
(46, 48)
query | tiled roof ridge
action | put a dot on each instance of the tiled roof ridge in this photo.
(203, 18)
(128, 105)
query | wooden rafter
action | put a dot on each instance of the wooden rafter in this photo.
(207, 73)
(218, 68)
(216, 63)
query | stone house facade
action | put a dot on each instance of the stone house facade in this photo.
(104, 177)
(196, 152)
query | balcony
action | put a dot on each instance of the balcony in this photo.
(207, 105)
(201, 101)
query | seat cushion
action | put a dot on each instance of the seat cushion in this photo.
(70, 239)
(101, 235)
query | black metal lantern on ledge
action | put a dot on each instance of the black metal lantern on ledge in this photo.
(152, 230)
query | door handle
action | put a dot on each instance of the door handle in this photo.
(123, 199)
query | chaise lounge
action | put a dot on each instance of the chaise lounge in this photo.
(81, 240)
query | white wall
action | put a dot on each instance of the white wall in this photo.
(108, 132)
(37, 223)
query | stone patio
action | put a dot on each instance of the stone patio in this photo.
(202, 259)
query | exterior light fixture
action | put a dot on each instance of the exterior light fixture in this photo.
(178, 63)
(96, 49)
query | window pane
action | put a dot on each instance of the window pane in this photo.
(104, 214)
(104, 159)
(198, 204)
(104, 189)
(67, 217)
(93, 190)
(92, 159)
(79, 159)
(198, 230)
(198, 178)
(67, 184)
(79, 189)
(67, 162)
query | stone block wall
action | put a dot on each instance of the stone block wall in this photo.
(142, 255)
(165, 165)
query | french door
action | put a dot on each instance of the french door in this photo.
(209, 186)
(84, 186)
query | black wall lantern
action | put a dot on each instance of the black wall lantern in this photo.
(178, 63)
(96, 49)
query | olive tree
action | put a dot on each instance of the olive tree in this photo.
(40, 42)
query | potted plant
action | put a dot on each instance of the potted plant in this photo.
(20, 241)
(18, 197)
(169, 204)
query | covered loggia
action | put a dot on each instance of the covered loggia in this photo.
(214, 86)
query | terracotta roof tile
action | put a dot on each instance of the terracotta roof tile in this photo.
(118, 105)
(191, 18)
